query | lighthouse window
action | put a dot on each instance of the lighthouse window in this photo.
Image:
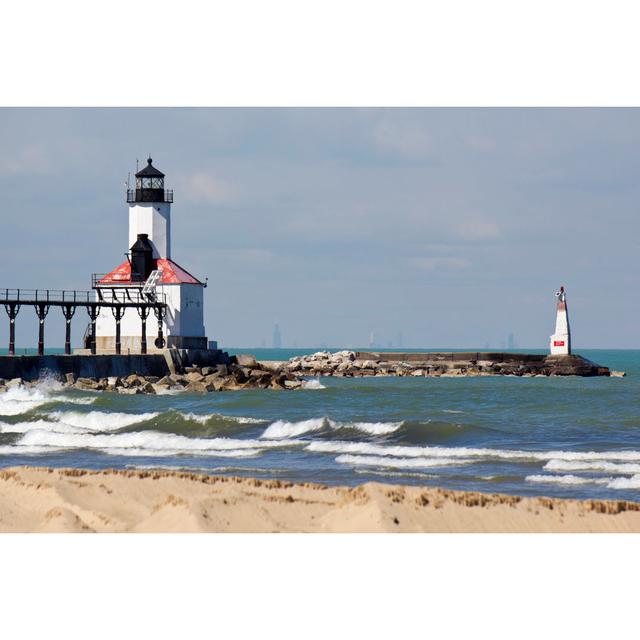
(150, 183)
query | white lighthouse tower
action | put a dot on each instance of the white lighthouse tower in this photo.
(149, 263)
(561, 339)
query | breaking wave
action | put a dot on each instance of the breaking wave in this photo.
(610, 483)
(398, 463)
(17, 400)
(625, 483)
(149, 442)
(13, 450)
(397, 474)
(101, 420)
(369, 448)
(611, 467)
(284, 429)
(203, 418)
(24, 427)
(567, 479)
(212, 453)
(314, 383)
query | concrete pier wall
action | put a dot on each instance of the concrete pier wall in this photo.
(34, 367)
(104, 366)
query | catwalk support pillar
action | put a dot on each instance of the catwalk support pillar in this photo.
(12, 309)
(93, 312)
(118, 312)
(160, 313)
(42, 309)
(143, 312)
(68, 311)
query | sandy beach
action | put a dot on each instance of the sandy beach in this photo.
(71, 500)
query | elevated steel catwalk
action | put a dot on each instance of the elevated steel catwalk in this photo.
(69, 301)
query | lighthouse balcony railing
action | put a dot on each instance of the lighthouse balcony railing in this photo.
(149, 195)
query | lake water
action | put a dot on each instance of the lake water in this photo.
(571, 437)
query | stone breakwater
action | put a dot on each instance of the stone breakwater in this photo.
(359, 363)
(243, 372)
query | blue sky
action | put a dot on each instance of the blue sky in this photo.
(452, 226)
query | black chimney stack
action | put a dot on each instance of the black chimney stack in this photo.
(142, 262)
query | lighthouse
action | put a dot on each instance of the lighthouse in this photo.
(561, 339)
(150, 271)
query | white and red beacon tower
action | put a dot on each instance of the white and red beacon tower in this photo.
(150, 253)
(561, 339)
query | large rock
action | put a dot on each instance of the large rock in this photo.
(246, 360)
(87, 384)
(134, 380)
(196, 387)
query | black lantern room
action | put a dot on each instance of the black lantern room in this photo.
(149, 186)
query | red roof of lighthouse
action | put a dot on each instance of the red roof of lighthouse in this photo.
(171, 274)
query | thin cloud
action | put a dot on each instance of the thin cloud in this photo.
(31, 159)
(437, 263)
(205, 188)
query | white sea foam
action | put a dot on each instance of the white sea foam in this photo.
(17, 400)
(213, 453)
(375, 428)
(314, 383)
(24, 427)
(74, 400)
(153, 442)
(567, 479)
(207, 470)
(13, 450)
(603, 465)
(369, 448)
(625, 483)
(398, 463)
(611, 483)
(451, 411)
(101, 420)
(203, 418)
(284, 429)
(166, 391)
(396, 474)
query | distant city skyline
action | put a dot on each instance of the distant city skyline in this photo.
(457, 225)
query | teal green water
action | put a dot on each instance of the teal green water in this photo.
(571, 437)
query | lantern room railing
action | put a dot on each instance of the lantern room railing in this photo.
(149, 195)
